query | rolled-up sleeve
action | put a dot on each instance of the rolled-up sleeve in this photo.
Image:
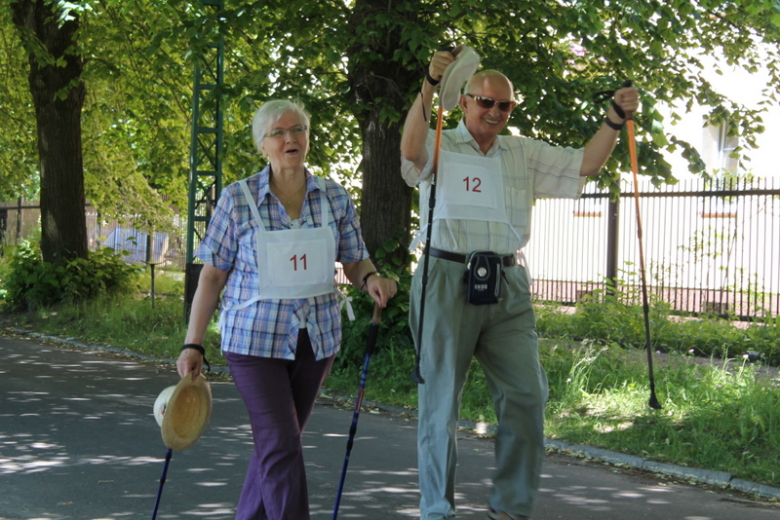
(219, 247)
(411, 175)
(556, 171)
(351, 247)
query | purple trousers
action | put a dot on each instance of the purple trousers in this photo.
(279, 395)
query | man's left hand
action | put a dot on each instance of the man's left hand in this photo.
(628, 100)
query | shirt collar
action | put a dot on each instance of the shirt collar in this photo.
(264, 181)
(464, 136)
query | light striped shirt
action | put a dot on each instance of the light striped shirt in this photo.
(531, 170)
(269, 328)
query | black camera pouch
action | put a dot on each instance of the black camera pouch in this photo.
(483, 278)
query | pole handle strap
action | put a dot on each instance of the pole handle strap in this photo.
(600, 97)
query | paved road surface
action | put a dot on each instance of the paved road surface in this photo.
(78, 441)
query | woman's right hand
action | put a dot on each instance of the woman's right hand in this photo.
(381, 289)
(190, 361)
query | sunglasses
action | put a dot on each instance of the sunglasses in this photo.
(486, 102)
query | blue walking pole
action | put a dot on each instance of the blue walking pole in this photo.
(370, 344)
(162, 482)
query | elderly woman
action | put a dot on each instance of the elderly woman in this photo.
(272, 245)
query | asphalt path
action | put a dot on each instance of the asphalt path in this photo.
(78, 441)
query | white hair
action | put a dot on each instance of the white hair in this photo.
(271, 112)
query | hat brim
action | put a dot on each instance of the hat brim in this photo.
(456, 75)
(161, 403)
(187, 413)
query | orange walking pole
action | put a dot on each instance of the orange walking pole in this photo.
(645, 306)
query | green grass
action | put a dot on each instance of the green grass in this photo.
(714, 416)
(166, 283)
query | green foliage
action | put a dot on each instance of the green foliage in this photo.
(393, 359)
(616, 318)
(3, 276)
(125, 321)
(718, 416)
(394, 334)
(18, 154)
(166, 283)
(139, 61)
(136, 118)
(31, 283)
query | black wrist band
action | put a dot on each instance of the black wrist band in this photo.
(613, 125)
(432, 81)
(200, 349)
(366, 277)
(619, 111)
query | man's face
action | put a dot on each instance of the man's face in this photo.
(486, 123)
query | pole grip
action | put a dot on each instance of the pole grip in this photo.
(376, 318)
(373, 330)
(627, 83)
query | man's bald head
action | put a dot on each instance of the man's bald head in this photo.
(492, 76)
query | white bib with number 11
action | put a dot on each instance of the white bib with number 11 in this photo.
(299, 261)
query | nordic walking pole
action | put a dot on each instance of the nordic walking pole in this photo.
(454, 77)
(376, 319)
(162, 482)
(416, 375)
(654, 404)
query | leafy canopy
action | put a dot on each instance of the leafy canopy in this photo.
(558, 53)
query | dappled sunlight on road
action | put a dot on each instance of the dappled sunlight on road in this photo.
(80, 426)
(84, 430)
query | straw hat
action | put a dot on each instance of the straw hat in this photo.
(183, 411)
(456, 75)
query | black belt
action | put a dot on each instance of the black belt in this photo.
(507, 261)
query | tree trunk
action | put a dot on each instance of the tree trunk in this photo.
(58, 96)
(378, 88)
(386, 197)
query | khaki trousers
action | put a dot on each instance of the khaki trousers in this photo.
(503, 340)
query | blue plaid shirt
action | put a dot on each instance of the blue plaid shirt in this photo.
(269, 328)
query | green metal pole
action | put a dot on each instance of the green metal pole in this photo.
(205, 149)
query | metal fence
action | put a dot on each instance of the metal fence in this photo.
(21, 221)
(709, 247)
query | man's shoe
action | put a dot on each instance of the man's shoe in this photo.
(500, 515)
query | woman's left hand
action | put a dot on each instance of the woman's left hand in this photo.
(381, 289)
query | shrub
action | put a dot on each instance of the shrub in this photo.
(30, 282)
(394, 333)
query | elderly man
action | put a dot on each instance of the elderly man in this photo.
(486, 185)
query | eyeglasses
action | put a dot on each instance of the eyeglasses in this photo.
(486, 102)
(280, 132)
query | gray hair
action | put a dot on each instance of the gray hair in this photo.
(271, 112)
